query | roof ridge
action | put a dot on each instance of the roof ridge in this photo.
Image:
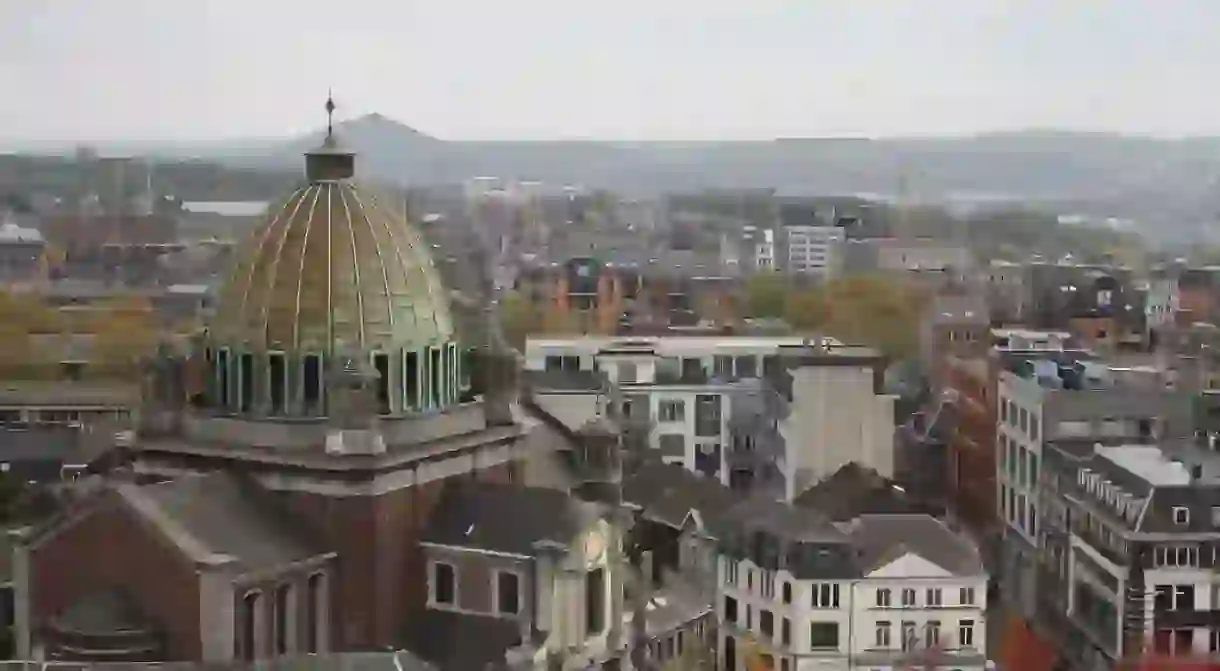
(150, 509)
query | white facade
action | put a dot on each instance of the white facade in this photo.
(853, 624)
(835, 415)
(764, 250)
(815, 250)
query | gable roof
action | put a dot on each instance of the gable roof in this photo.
(855, 490)
(881, 539)
(219, 518)
(668, 494)
(506, 518)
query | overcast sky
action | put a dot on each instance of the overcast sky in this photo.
(613, 69)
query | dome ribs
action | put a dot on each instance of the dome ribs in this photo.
(385, 273)
(355, 269)
(296, 312)
(273, 273)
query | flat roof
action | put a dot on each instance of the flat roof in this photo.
(1147, 462)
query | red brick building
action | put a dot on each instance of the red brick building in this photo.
(283, 516)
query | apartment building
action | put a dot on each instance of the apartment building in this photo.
(1065, 395)
(772, 415)
(814, 251)
(1139, 529)
(796, 591)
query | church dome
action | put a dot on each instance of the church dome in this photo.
(334, 274)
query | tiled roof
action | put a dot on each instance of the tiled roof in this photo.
(219, 517)
(506, 518)
(668, 493)
(854, 490)
(464, 642)
(880, 539)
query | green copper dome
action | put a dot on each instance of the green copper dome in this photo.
(334, 272)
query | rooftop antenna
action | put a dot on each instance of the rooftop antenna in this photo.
(330, 114)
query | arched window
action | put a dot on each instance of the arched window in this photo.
(381, 362)
(283, 619)
(277, 382)
(315, 613)
(311, 389)
(247, 621)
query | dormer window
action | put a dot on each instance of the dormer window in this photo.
(508, 593)
(1181, 515)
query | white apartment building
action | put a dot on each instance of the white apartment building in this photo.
(815, 250)
(764, 250)
(691, 389)
(882, 592)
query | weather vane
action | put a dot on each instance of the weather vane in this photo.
(330, 113)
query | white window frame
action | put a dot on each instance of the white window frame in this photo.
(495, 590)
(457, 585)
(1181, 515)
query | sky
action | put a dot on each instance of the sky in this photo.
(89, 70)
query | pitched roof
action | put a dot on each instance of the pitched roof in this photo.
(218, 517)
(855, 490)
(463, 642)
(881, 539)
(506, 518)
(668, 493)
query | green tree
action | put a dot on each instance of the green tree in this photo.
(520, 318)
(766, 295)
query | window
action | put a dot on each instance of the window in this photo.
(1176, 556)
(1033, 427)
(730, 572)
(767, 584)
(766, 623)
(595, 601)
(249, 621)
(908, 636)
(882, 639)
(825, 595)
(749, 580)
(933, 596)
(787, 592)
(823, 635)
(883, 598)
(245, 382)
(932, 634)
(671, 411)
(1181, 515)
(786, 632)
(1216, 516)
(314, 602)
(908, 597)
(730, 609)
(508, 593)
(411, 370)
(277, 381)
(965, 596)
(749, 617)
(282, 605)
(965, 634)
(444, 584)
(381, 363)
(311, 389)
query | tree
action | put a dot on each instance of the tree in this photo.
(520, 318)
(125, 331)
(807, 310)
(766, 295)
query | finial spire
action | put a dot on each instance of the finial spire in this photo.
(330, 114)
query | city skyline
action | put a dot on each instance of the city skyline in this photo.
(541, 69)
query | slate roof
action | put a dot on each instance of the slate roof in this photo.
(668, 493)
(855, 490)
(464, 642)
(220, 517)
(39, 443)
(881, 539)
(506, 518)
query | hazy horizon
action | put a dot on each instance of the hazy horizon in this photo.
(149, 71)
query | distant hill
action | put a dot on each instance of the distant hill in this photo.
(1173, 184)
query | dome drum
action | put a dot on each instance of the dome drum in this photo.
(278, 384)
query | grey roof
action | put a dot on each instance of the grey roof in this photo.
(855, 490)
(783, 521)
(464, 642)
(668, 493)
(69, 394)
(506, 518)
(220, 517)
(565, 380)
(40, 443)
(880, 539)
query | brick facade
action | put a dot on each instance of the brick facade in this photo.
(111, 546)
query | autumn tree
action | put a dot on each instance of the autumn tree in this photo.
(766, 295)
(125, 331)
(519, 318)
